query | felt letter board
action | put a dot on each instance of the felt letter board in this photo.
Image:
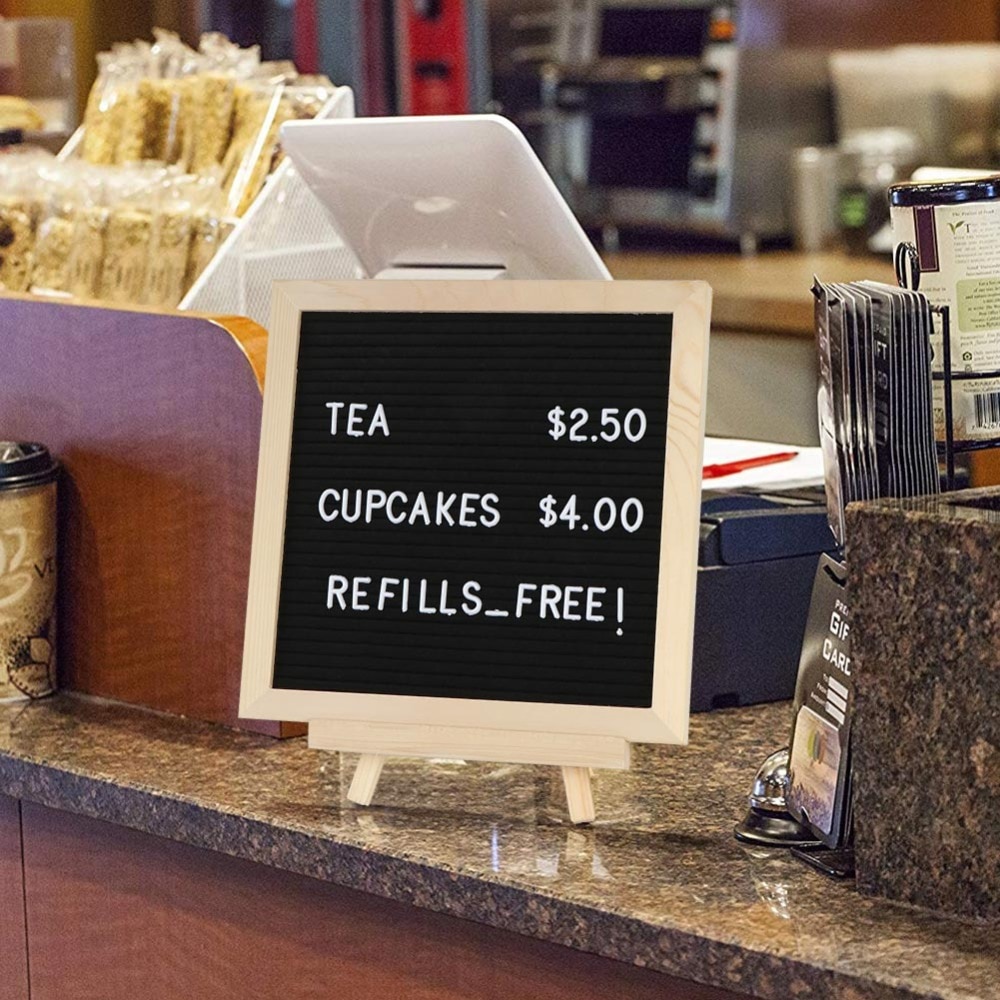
(478, 505)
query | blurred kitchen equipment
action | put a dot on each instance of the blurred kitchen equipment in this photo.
(38, 63)
(8, 57)
(656, 113)
(815, 197)
(425, 57)
(36, 54)
(947, 95)
(871, 160)
(441, 64)
(923, 175)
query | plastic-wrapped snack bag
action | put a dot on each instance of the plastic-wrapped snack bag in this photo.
(168, 55)
(262, 155)
(212, 98)
(131, 123)
(131, 65)
(209, 231)
(161, 103)
(132, 202)
(16, 245)
(18, 207)
(54, 233)
(305, 101)
(101, 119)
(297, 103)
(168, 258)
(90, 218)
(126, 242)
(169, 110)
(277, 71)
(86, 258)
(180, 205)
(50, 272)
(256, 108)
(225, 55)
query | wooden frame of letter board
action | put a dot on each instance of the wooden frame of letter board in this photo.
(575, 737)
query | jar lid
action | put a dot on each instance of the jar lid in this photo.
(944, 192)
(25, 464)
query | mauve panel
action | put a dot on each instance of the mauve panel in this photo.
(13, 943)
(156, 419)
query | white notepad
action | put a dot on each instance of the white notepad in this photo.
(806, 469)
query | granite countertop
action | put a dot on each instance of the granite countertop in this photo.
(658, 881)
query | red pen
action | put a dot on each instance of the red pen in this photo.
(731, 468)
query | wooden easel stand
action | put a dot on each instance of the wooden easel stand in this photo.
(574, 754)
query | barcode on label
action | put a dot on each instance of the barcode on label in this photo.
(987, 410)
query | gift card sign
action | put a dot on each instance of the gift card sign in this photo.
(819, 762)
(479, 504)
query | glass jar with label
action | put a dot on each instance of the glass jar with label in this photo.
(954, 227)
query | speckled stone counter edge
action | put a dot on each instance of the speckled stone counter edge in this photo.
(924, 588)
(724, 964)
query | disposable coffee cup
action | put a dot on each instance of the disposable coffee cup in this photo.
(28, 576)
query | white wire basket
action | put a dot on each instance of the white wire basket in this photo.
(285, 235)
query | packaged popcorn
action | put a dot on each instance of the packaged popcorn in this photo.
(265, 111)
(86, 257)
(16, 244)
(130, 197)
(209, 231)
(176, 144)
(54, 231)
(170, 240)
(101, 118)
(18, 209)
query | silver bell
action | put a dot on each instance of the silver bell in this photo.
(771, 784)
(768, 822)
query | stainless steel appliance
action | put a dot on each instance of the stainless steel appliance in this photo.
(672, 113)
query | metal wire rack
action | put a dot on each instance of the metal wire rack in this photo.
(948, 448)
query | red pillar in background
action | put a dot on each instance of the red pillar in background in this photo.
(305, 38)
(434, 77)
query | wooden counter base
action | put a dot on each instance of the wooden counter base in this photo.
(13, 939)
(114, 914)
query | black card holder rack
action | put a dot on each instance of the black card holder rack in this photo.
(947, 448)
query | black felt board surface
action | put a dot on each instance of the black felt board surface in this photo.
(467, 401)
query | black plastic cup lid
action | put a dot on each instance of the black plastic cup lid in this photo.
(25, 464)
(944, 192)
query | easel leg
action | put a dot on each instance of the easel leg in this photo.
(579, 797)
(365, 779)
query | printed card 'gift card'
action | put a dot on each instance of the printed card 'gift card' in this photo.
(819, 764)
